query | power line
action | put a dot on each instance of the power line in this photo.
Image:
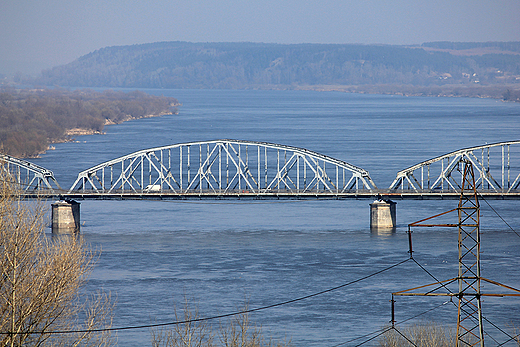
(420, 314)
(378, 332)
(223, 315)
(404, 336)
(499, 216)
(499, 329)
(384, 330)
(442, 284)
(374, 337)
(517, 337)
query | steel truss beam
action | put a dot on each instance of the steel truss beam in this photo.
(30, 177)
(497, 168)
(223, 167)
(470, 330)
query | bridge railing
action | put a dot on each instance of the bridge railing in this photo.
(497, 170)
(28, 176)
(223, 167)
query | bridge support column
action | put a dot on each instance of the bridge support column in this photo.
(65, 217)
(382, 215)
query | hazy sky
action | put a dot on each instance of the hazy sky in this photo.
(39, 34)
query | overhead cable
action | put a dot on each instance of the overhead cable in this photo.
(384, 330)
(499, 216)
(144, 326)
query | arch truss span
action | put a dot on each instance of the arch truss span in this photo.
(28, 176)
(223, 168)
(497, 171)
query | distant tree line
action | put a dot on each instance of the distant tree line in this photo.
(473, 91)
(259, 65)
(512, 95)
(31, 119)
(504, 46)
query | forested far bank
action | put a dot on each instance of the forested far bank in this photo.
(32, 119)
(245, 65)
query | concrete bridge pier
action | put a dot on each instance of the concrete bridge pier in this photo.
(382, 215)
(65, 217)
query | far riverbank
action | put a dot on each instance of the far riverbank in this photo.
(509, 93)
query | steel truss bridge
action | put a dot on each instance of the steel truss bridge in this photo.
(259, 170)
(30, 177)
(497, 172)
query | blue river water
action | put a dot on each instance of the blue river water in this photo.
(219, 255)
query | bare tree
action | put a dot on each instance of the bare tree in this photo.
(41, 280)
(194, 332)
(241, 332)
(190, 333)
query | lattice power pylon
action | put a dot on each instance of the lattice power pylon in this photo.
(470, 331)
(469, 323)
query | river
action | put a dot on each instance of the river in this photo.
(219, 255)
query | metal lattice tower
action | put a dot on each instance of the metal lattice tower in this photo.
(469, 323)
(470, 331)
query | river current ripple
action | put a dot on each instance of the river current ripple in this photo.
(222, 254)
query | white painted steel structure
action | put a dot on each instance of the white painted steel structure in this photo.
(233, 168)
(497, 170)
(30, 177)
(223, 167)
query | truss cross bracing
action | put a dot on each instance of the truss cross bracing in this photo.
(215, 169)
(28, 176)
(497, 171)
(222, 168)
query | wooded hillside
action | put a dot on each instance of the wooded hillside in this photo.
(259, 65)
(32, 119)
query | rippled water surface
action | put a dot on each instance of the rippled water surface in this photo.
(221, 254)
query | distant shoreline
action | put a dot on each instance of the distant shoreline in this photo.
(86, 131)
(509, 93)
(498, 92)
(70, 133)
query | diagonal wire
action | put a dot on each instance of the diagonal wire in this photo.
(442, 284)
(223, 315)
(384, 330)
(379, 333)
(491, 337)
(499, 216)
(374, 337)
(420, 314)
(517, 337)
(406, 338)
(499, 329)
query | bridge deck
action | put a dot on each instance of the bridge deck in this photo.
(236, 169)
(266, 195)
